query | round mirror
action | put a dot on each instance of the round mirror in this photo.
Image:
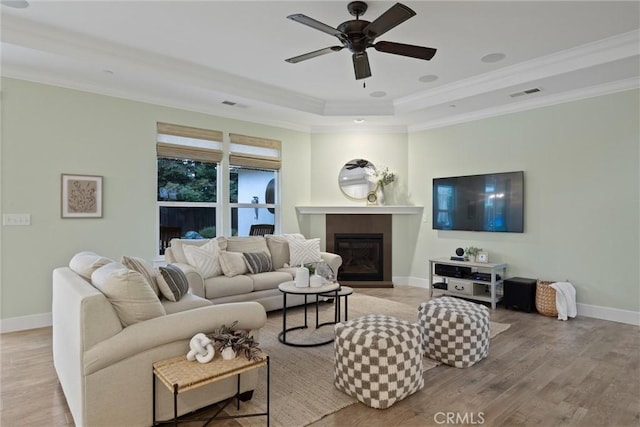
(354, 178)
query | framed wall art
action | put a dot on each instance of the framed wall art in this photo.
(81, 196)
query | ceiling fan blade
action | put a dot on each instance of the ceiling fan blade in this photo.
(313, 54)
(405, 50)
(395, 15)
(310, 22)
(361, 65)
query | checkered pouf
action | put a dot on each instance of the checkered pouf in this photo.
(455, 331)
(378, 359)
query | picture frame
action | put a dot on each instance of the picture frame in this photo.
(81, 196)
(482, 257)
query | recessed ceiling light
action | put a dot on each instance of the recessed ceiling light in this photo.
(358, 121)
(18, 4)
(108, 71)
(493, 57)
(452, 105)
(428, 78)
(378, 94)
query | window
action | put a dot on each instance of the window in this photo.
(253, 176)
(196, 200)
(187, 184)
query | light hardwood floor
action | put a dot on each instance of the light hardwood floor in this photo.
(542, 372)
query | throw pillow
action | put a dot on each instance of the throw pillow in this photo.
(85, 263)
(232, 263)
(143, 267)
(204, 258)
(257, 262)
(304, 251)
(129, 292)
(172, 282)
(279, 249)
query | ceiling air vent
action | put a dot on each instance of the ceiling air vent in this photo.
(525, 92)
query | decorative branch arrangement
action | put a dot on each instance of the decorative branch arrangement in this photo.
(239, 340)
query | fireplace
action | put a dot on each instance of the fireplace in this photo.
(364, 243)
(362, 256)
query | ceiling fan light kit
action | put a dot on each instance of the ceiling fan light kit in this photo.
(357, 35)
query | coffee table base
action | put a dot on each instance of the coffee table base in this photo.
(282, 336)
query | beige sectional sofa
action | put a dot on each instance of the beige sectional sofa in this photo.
(110, 326)
(235, 284)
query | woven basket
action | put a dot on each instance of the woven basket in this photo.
(546, 298)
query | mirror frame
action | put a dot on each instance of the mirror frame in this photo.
(353, 179)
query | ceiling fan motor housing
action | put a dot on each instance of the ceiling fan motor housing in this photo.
(356, 41)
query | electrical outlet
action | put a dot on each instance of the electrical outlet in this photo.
(425, 218)
(16, 219)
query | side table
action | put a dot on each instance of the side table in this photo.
(180, 375)
(343, 291)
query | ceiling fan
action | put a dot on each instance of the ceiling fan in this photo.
(357, 35)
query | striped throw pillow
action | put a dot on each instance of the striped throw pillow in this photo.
(257, 262)
(172, 282)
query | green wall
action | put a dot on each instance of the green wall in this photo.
(47, 131)
(581, 193)
(580, 161)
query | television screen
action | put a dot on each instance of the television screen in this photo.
(491, 202)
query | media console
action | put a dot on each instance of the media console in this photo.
(472, 283)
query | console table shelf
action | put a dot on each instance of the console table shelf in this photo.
(470, 287)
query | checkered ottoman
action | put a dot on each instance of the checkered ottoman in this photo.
(378, 359)
(455, 331)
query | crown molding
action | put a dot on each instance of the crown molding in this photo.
(602, 51)
(538, 102)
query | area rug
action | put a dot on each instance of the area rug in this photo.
(302, 389)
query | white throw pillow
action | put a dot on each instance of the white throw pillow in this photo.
(232, 263)
(129, 293)
(304, 251)
(205, 258)
(85, 263)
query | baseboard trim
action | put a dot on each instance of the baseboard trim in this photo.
(16, 324)
(586, 310)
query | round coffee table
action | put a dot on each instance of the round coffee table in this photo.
(286, 288)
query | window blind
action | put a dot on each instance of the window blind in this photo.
(184, 142)
(255, 152)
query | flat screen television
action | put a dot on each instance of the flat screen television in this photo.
(490, 202)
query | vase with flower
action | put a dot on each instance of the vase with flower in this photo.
(381, 177)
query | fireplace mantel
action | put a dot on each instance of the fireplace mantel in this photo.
(372, 210)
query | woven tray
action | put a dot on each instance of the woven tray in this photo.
(546, 298)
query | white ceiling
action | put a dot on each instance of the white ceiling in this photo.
(197, 54)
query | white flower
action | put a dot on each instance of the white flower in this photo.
(382, 176)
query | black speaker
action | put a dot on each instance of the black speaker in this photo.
(459, 251)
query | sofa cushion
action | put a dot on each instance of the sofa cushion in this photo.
(205, 258)
(143, 267)
(232, 263)
(172, 282)
(257, 262)
(247, 244)
(269, 280)
(85, 263)
(304, 251)
(223, 286)
(129, 293)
